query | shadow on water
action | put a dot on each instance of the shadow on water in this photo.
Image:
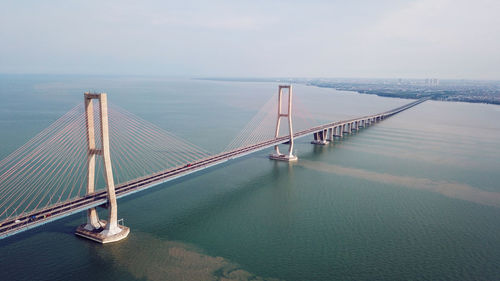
(228, 198)
(175, 260)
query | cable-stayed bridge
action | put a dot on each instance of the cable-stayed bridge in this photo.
(94, 154)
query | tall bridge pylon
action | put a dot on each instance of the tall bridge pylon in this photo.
(288, 114)
(95, 229)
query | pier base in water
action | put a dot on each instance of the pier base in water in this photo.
(283, 157)
(100, 235)
(319, 142)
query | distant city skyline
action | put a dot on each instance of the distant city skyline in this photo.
(440, 39)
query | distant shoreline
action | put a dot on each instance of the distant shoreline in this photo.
(486, 92)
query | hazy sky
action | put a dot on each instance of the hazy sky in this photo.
(408, 39)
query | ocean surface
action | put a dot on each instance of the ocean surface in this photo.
(415, 197)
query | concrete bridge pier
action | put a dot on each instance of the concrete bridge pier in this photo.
(330, 135)
(288, 114)
(346, 128)
(341, 130)
(335, 131)
(320, 138)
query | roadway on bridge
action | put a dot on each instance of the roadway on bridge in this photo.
(18, 224)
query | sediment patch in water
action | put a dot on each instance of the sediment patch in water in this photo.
(450, 189)
(150, 258)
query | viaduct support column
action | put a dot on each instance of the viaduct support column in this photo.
(320, 138)
(330, 135)
(288, 114)
(95, 229)
(346, 128)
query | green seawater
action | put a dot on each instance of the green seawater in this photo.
(415, 197)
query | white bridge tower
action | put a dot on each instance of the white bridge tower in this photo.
(288, 114)
(95, 229)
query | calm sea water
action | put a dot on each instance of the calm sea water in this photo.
(413, 197)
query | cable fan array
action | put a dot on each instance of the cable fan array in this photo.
(139, 148)
(262, 127)
(52, 167)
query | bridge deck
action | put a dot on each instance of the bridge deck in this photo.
(24, 222)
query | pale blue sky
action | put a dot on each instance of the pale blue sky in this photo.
(408, 39)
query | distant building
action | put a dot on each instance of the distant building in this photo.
(431, 82)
